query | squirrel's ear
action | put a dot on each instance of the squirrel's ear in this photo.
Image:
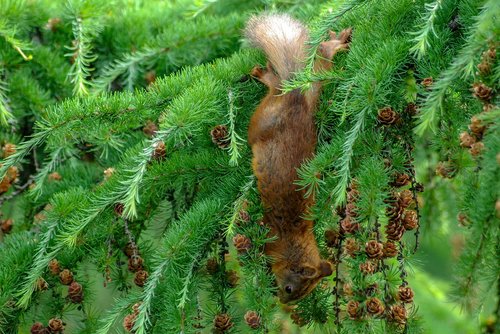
(309, 272)
(326, 268)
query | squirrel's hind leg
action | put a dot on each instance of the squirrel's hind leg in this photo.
(266, 76)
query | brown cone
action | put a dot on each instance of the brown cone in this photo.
(394, 231)
(353, 309)
(351, 210)
(477, 127)
(351, 246)
(140, 278)
(390, 249)
(220, 136)
(405, 198)
(56, 325)
(75, 292)
(160, 150)
(222, 323)
(41, 284)
(445, 169)
(252, 319)
(232, 278)
(482, 92)
(8, 150)
(349, 225)
(400, 180)
(427, 82)
(135, 263)
(387, 116)
(410, 220)
(374, 249)
(466, 140)
(7, 225)
(212, 266)
(38, 328)
(411, 109)
(66, 277)
(405, 294)
(476, 149)
(54, 267)
(367, 267)
(398, 314)
(242, 243)
(150, 129)
(374, 306)
(129, 321)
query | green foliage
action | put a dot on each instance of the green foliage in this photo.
(81, 82)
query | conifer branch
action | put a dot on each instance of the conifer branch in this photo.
(238, 206)
(9, 34)
(461, 68)
(5, 112)
(234, 139)
(421, 39)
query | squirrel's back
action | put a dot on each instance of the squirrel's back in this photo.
(282, 38)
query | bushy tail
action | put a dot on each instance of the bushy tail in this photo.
(282, 38)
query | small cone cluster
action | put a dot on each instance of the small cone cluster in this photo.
(136, 264)
(129, 320)
(55, 325)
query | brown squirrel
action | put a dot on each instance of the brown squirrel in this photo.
(282, 135)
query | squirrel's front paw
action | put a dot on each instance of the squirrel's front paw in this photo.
(341, 42)
(266, 75)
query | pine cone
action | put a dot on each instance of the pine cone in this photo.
(135, 308)
(410, 220)
(222, 323)
(220, 136)
(445, 169)
(482, 92)
(476, 149)
(466, 140)
(398, 314)
(130, 249)
(352, 195)
(54, 267)
(351, 246)
(118, 209)
(405, 198)
(405, 294)
(242, 243)
(232, 278)
(351, 210)
(212, 266)
(55, 176)
(150, 77)
(298, 319)
(140, 278)
(332, 238)
(150, 129)
(367, 268)
(75, 292)
(477, 127)
(371, 290)
(129, 321)
(395, 211)
(244, 216)
(56, 325)
(374, 306)
(347, 289)
(484, 67)
(387, 116)
(7, 225)
(41, 284)
(353, 309)
(8, 150)
(390, 249)
(400, 180)
(135, 263)
(252, 319)
(66, 277)
(427, 82)
(38, 328)
(411, 109)
(394, 231)
(374, 249)
(463, 220)
(349, 225)
(160, 150)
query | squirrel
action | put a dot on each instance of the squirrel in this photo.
(282, 135)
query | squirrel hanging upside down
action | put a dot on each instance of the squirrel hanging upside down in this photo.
(282, 135)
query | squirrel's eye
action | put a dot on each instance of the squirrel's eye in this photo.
(288, 289)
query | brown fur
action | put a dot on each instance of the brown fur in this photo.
(282, 134)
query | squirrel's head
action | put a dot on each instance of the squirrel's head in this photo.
(294, 283)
